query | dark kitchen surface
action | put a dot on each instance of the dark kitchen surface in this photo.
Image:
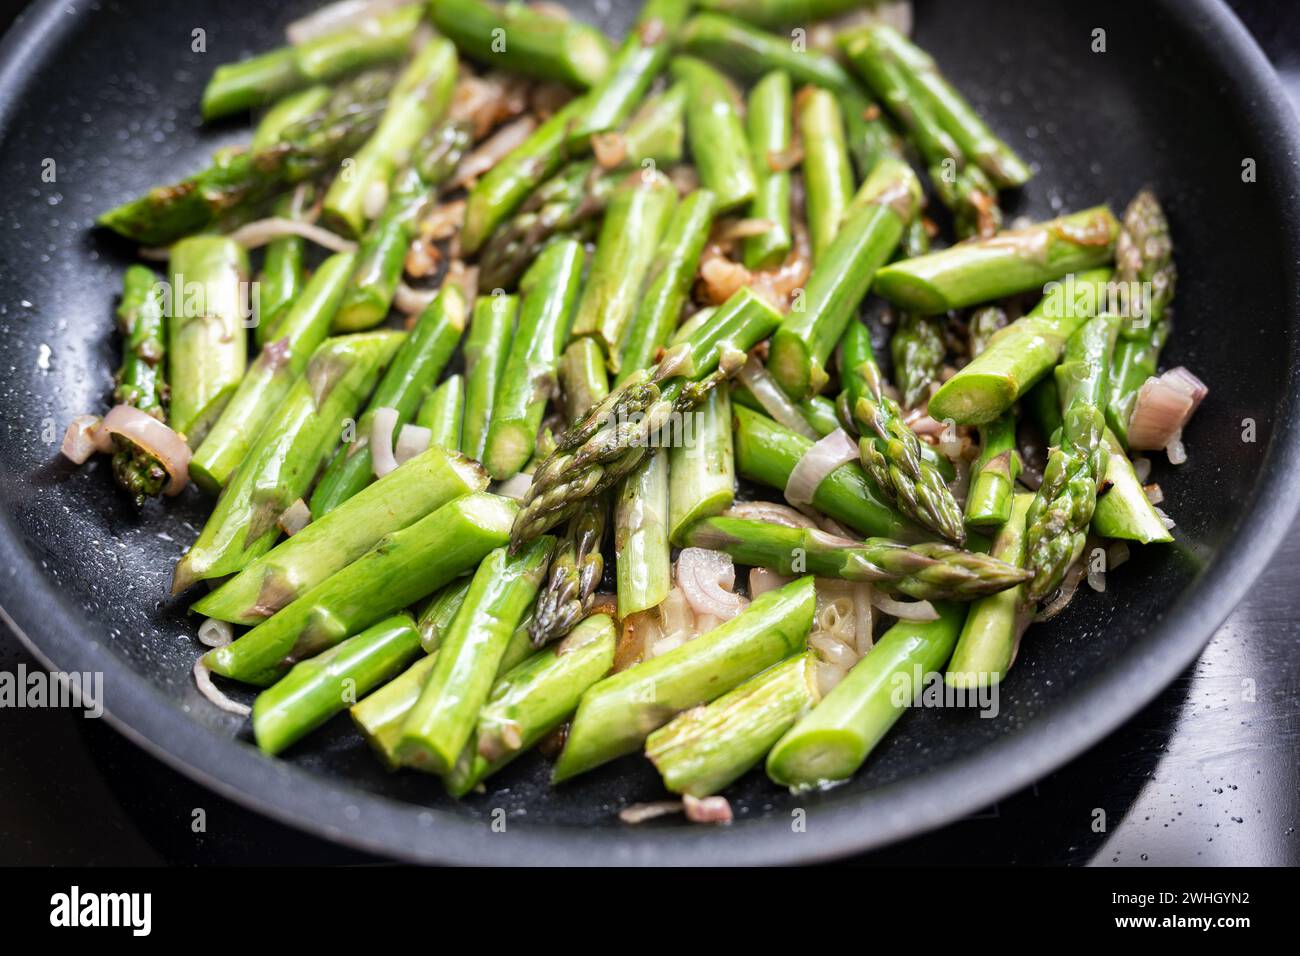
(1209, 773)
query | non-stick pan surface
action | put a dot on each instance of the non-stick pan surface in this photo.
(1180, 98)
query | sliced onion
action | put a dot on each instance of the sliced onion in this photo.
(675, 615)
(713, 809)
(84, 437)
(761, 580)
(444, 221)
(261, 231)
(905, 610)
(296, 517)
(734, 229)
(1176, 451)
(515, 486)
(494, 149)
(641, 812)
(410, 301)
(336, 17)
(1155, 494)
(1065, 594)
(826, 455)
(828, 676)
(1117, 554)
(155, 438)
(214, 633)
(772, 513)
(610, 150)
(1167, 521)
(1163, 407)
(774, 401)
(374, 199)
(863, 619)
(203, 680)
(1096, 579)
(1142, 468)
(722, 278)
(412, 440)
(706, 578)
(382, 427)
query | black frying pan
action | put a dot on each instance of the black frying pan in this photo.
(1181, 99)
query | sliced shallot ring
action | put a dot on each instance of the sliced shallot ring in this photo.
(381, 441)
(155, 438)
(83, 438)
(774, 401)
(826, 455)
(412, 440)
(904, 610)
(261, 231)
(701, 574)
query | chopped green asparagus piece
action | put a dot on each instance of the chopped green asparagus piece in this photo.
(297, 335)
(770, 133)
(1021, 354)
(875, 222)
(550, 290)
(993, 625)
(442, 412)
(705, 750)
(827, 175)
(440, 723)
(409, 379)
(486, 349)
(532, 699)
(716, 133)
(140, 383)
(617, 714)
(993, 476)
(583, 378)
(641, 550)
(832, 742)
(971, 273)
(320, 687)
(402, 567)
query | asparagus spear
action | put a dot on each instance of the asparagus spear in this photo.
(574, 575)
(409, 378)
(775, 13)
(317, 689)
(381, 717)
(419, 99)
(918, 350)
(239, 183)
(964, 188)
(1123, 510)
(993, 476)
(415, 489)
(1058, 519)
(705, 750)
(928, 571)
(891, 453)
(770, 133)
(983, 325)
(442, 411)
(831, 743)
(767, 453)
(827, 176)
(272, 375)
(880, 211)
(402, 567)
(1020, 355)
(989, 637)
(667, 283)
(486, 349)
(440, 723)
(1144, 259)
(282, 277)
(638, 214)
(642, 555)
(287, 113)
(550, 289)
(498, 194)
(998, 160)
(702, 472)
(523, 40)
(640, 59)
(583, 379)
(286, 455)
(749, 52)
(615, 716)
(716, 133)
(254, 82)
(1007, 264)
(382, 256)
(437, 618)
(581, 190)
(532, 699)
(141, 318)
(614, 437)
(207, 346)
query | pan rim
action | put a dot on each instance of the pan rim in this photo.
(340, 812)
